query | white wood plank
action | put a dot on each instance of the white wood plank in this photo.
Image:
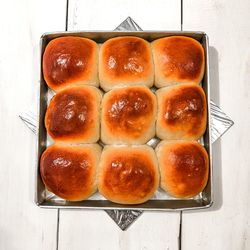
(106, 15)
(22, 224)
(227, 225)
(94, 229)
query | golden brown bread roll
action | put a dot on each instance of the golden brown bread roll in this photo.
(125, 61)
(128, 174)
(128, 115)
(70, 171)
(184, 167)
(182, 112)
(178, 59)
(70, 60)
(73, 115)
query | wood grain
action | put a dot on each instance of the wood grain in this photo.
(106, 15)
(25, 226)
(22, 224)
(94, 229)
(227, 224)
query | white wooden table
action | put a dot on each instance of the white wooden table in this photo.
(24, 226)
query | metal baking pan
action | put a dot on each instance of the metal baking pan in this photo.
(161, 201)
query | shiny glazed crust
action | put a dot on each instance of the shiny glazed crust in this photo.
(125, 61)
(73, 115)
(69, 61)
(182, 112)
(184, 167)
(70, 171)
(178, 59)
(128, 174)
(128, 115)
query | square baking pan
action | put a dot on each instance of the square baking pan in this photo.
(161, 201)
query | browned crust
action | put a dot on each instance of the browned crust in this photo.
(182, 112)
(69, 172)
(67, 60)
(184, 168)
(179, 58)
(129, 111)
(72, 114)
(125, 58)
(128, 175)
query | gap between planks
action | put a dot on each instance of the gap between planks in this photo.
(182, 15)
(58, 229)
(67, 15)
(180, 232)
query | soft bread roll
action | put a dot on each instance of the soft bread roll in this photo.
(73, 115)
(183, 167)
(70, 171)
(178, 59)
(128, 115)
(70, 60)
(182, 112)
(128, 174)
(125, 61)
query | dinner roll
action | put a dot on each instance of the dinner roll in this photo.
(70, 60)
(128, 174)
(183, 167)
(128, 115)
(178, 59)
(125, 61)
(70, 171)
(182, 112)
(73, 115)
